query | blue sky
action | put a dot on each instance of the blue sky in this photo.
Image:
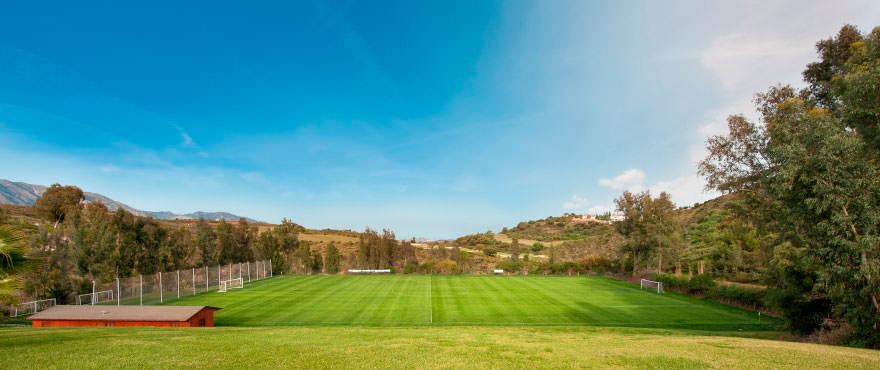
(433, 119)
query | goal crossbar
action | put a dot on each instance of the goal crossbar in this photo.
(32, 307)
(235, 283)
(650, 284)
(96, 297)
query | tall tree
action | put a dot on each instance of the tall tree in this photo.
(646, 221)
(819, 172)
(332, 259)
(57, 201)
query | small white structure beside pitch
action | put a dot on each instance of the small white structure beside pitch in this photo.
(354, 271)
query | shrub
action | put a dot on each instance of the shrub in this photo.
(594, 263)
(672, 282)
(489, 251)
(802, 315)
(747, 297)
(508, 265)
(700, 283)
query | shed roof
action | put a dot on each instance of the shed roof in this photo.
(120, 313)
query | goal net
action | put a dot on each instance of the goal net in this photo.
(652, 285)
(32, 307)
(231, 284)
(102, 297)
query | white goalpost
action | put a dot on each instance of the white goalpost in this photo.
(231, 284)
(650, 284)
(95, 298)
(32, 307)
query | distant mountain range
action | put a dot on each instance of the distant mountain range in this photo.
(25, 194)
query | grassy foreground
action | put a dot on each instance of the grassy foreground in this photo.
(420, 300)
(420, 347)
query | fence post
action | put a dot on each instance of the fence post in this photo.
(118, 292)
(160, 287)
(141, 293)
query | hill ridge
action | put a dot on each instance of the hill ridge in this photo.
(25, 194)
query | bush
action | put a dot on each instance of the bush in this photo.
(594, 263)
(802, 315)
(672, 282)
(509, 266)
(489, 251)
(738, 295)
(537, 247)
(700, 283)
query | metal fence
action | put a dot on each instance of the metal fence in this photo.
(171, 285)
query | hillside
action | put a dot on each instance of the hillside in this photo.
(24, 194)
(574, 238)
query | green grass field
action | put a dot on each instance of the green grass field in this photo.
(461, 347)
(437, 322)
(420, 300)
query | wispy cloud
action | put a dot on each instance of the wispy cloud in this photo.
(108, 168)
(575, 203)
(186, 140)
(630, 179)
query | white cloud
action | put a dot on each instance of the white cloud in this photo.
(186, 140)
(684, 190)
(771, 43)
(630, 179)
(108, 168)
(575, 203)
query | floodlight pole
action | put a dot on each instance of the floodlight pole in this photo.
(219, 276)
(194, 281)
(239, 270)
(230, 270)
(141, 294)
(249, 271)
(118, 292)
(206, 279)
(270, 267)
(178, 284)
(93, 292)
(160, 287)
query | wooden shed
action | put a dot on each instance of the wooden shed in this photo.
(164, 316)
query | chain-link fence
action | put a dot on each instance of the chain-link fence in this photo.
(171, 285)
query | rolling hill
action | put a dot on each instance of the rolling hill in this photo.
(24, 194)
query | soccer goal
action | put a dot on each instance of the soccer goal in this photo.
(104, 296)
(231, 284)
(32, 307)
(650, 284)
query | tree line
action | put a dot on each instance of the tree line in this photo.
(85, 241)
(806, 179)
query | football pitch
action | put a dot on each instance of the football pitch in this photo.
(425, 300)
